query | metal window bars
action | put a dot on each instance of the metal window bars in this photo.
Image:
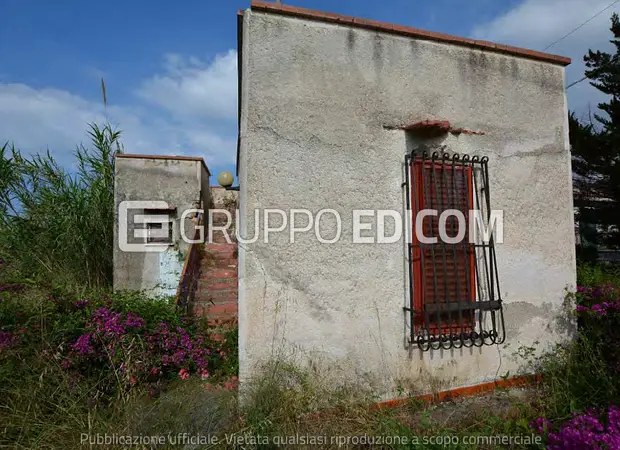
(454, 295)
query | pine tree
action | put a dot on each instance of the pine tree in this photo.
(596, 151)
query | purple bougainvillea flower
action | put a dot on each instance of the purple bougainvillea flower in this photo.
(83, 344)
(134, 321)
(116, 338)
(178, 357)
(81, 304)
(108, 323)
(583, 431)
(7, 340)
(600, 309)
(541, 425)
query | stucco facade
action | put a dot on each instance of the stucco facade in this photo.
(322, 106)
(181, 182)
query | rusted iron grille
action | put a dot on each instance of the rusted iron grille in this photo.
(455, 299)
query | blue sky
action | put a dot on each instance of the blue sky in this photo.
(170, 67)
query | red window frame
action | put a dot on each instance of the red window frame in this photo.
(418, 203)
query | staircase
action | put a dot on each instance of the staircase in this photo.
(217, 293)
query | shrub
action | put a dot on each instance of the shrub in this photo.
(593, 275)
(598, 311)
(581, 379)
(69, 363)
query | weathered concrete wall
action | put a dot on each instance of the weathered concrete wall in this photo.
(179, 182)
(205, 189)
(316, 98)
(223, 198)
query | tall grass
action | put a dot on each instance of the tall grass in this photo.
(55, 225)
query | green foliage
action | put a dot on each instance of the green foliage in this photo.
(43, 401)
(55, 225)
(598, 275)
(583, 373)
(575, 377)
(231, 343)
(596, 150)
(152, 311)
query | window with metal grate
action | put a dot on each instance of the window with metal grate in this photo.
(454, 288)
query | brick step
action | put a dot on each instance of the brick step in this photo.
(217, 296)
(230, 290)
(214, 284)
(220, 311)
(218, 264)
(209, 263)
(212, 273)
(219, 238)
(220, 247)
(214, 252)
(224, 264)
(218, 308)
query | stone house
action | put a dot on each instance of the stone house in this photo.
(345, 114)
(360, 143)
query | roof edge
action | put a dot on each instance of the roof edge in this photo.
(407, 31)
(173, 157)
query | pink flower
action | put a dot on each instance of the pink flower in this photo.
(132, 381)
(204, 374)
(183, 374)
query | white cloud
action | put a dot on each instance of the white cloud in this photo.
(38, 119)
(190, 87)
(536, 24)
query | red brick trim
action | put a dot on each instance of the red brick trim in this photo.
(173, 157)
(464, 131)
(407, 31)
(466, 391)
(429, 128)
(433, 128)
(431, 399)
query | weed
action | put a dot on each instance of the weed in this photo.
(57, 226)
